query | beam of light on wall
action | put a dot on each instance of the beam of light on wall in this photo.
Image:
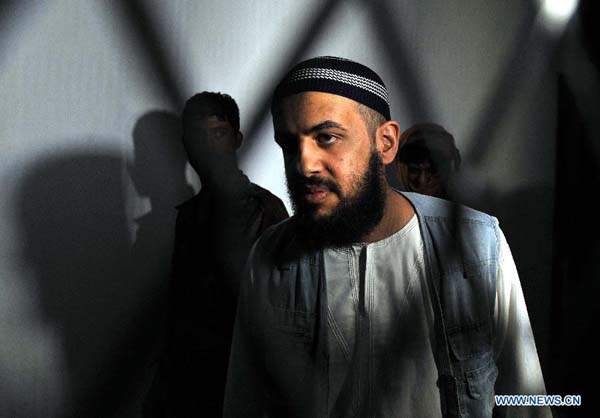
(557, 13)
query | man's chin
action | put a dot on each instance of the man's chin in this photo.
(319, 214)
(312, 211)
(311, 217)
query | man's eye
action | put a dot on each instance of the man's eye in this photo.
(326, 139)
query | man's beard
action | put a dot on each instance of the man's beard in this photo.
(354, 216)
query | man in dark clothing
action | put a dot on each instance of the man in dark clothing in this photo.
(214, 232)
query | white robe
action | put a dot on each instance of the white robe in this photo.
(394, 293)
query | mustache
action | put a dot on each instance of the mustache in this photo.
(299, 184)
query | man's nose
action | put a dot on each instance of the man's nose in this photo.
(309, 160)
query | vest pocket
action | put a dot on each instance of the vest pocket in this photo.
(476, 392)
(474, 369)
(480, 382)
(291, 327)
(289, 362)
(470, 341)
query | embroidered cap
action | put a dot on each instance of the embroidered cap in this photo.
(338, 76)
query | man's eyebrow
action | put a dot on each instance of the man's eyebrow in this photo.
(326, 124)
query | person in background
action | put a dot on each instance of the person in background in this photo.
(213, 235)
(426, 160)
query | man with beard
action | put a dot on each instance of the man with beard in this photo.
(368, 302)
(213, 235)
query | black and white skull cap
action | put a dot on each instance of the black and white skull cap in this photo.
(338, 76)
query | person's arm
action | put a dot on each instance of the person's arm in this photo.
(155, 403)
(519, 371)
(270, 212)
(273, 212)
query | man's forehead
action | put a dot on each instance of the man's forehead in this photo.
(309, 107)
(214, 121)
(317, 99)
(215, 118)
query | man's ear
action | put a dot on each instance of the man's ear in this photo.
(238, 139)
(388, 140)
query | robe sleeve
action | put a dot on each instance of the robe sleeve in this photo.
(519, 371)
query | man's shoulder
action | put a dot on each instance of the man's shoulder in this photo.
(278, 244)
(432, 207)
(278, 233)
(270, 205)
(452, 225)
(265, 196)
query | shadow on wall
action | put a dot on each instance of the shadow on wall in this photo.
(103, 295)
(76, 241)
